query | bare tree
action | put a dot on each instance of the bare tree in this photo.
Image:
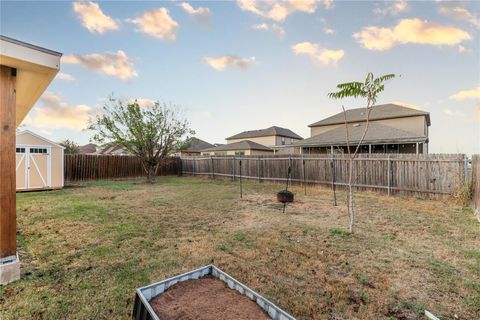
(150, 133)
(369, 89)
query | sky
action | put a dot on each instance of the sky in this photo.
(245, 65)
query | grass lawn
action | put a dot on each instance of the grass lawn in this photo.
(85, 250)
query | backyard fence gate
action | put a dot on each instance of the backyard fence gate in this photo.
(423, 174)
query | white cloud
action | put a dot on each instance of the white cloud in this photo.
(466, 117)
(201, 13)
(314, 51)
(275, 28)
(65, 76)
(93, 18)
(228, 61)
(410, 31)
(466, 94)
(328, 31)
(461, 14)
(157, 23)
(278, 10)
(461, 49)
(116, 64)
(54, 113)
(392, 8)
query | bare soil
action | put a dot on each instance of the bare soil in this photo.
(205, 299)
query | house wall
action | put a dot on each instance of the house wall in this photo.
(266, 141)
(260, 152)
(318, 130)
(416, 124)
(288, 140)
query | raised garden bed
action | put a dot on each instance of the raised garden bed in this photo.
(176, 296)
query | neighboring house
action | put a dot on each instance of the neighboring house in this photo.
(39, 162)
(88, 149)
(276, 138)
(393, 128)
(195, 147)
(241, 148)
(113, 149)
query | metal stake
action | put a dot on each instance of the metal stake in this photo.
(240, 176)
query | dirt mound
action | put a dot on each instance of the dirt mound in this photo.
(205, 299)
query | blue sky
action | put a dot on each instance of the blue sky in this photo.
(244, 65)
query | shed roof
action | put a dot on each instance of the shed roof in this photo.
(377, 133)
(383, 111)
(241, 145)
(272, 131)
(35, 69)
(28, 132)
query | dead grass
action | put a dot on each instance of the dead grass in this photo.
(85, 250)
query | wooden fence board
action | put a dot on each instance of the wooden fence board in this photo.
(424, 175)
(476, 184)
(80, 167)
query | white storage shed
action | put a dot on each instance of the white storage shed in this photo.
(39, 163)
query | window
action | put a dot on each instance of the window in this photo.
(38, 150)
(239, 153)
(283, 141)
(20, 150)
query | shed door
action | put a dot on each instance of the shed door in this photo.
(21, 168)
(38, 167)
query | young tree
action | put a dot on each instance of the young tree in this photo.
(150, 133)
(369, 89)
(70, 147)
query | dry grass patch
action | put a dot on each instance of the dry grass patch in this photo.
(85, 250)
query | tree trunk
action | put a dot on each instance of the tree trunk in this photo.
(151, 172)
(351, 209)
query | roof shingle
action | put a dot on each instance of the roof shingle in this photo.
(377, 133)
(383, 111)
(241, 145)
(272, 131)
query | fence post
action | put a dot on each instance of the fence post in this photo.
(334, 178)
(258, 169)
(194, 165)
(389, 167)
(465, 167)
(233, 166)
(290, 166)
(240, 175)
(212, 168)
(303, 176)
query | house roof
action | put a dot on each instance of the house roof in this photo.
(197, 145)
(377, 133)
(383, 111)
(88, 148)
(241, 145)
(35, 68)
(272, 131)
(111, 149)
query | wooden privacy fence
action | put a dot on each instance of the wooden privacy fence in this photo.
(407, 173)
(476, 184)
(87, 167)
